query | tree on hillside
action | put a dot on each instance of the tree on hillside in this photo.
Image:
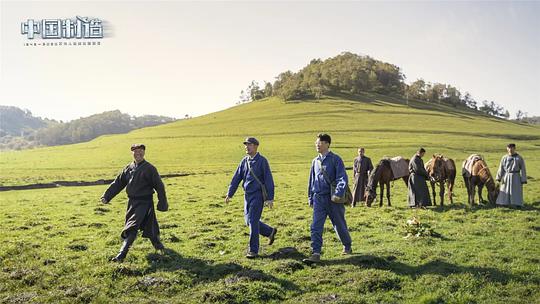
(520, 115)
(417, 90)
(267, 89)
(243, 98)
(468, 101)
(255, 92)
(452, 95)
(493, 109)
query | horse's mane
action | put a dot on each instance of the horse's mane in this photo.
(431, 162)
(375, 174)
(485, 174)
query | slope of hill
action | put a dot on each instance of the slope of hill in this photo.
(213, 142)
(56, 242)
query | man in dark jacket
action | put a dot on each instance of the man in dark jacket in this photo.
(140, 178)
(418, 190)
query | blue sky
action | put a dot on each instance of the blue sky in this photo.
(175, 58)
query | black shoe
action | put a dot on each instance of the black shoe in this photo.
(272, 237)
(313, 259)
(346, 251)
(158, 245)
(120, 257)
(128, 241)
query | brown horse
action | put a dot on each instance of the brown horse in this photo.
(442, 170)
(382, 175)
(478, 176)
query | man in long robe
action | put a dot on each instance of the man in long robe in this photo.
(258, 185)
(418, 190)
(513, 176)
(362, 166)
(140, 178)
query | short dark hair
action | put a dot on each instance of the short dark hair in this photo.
(324, 137)
(421, 150)
(511, 146)
(138, 146)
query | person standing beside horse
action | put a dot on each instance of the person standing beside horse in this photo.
(418, 190)
(512, 176)
(140, 178)
(362, 166)
(258, 185)
(327, 185)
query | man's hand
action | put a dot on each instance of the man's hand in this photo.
(227, 199)
(269, 203)
(104, 201)
(310, 203)
(335, 198)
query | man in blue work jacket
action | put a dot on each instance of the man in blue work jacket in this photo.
(326, 169)
(258, 186)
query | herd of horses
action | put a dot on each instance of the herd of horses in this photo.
(442, 170)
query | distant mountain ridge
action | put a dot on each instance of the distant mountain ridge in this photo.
(19, 129)
(18, 122)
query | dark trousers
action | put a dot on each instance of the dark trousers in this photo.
(323, 207)
(253, 207)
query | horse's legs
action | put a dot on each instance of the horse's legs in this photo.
(382, 193)
(472, 193)
(467, 182)
(480, 188)
(388, 193)
(433, 192)
(451, 191)
(441, 193)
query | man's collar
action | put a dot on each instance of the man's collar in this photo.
(252, 158)
(323, 156)
(138, 164)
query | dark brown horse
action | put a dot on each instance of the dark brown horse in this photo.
(382, 175)
(477, 176)
(442, 170)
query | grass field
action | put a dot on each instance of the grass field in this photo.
(56, 242)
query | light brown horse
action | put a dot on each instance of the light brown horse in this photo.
(442, 169)
(479, 176)
(382, 175)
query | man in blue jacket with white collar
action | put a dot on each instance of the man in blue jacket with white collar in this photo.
(323, 200)
(258, 186)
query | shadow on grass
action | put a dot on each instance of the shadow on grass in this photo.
(205, 271)
(286, 253)
(437, 267)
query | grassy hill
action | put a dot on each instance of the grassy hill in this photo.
(286, 130)
(56, 242)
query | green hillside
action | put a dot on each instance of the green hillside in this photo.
(213, 142)
(56, 242)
